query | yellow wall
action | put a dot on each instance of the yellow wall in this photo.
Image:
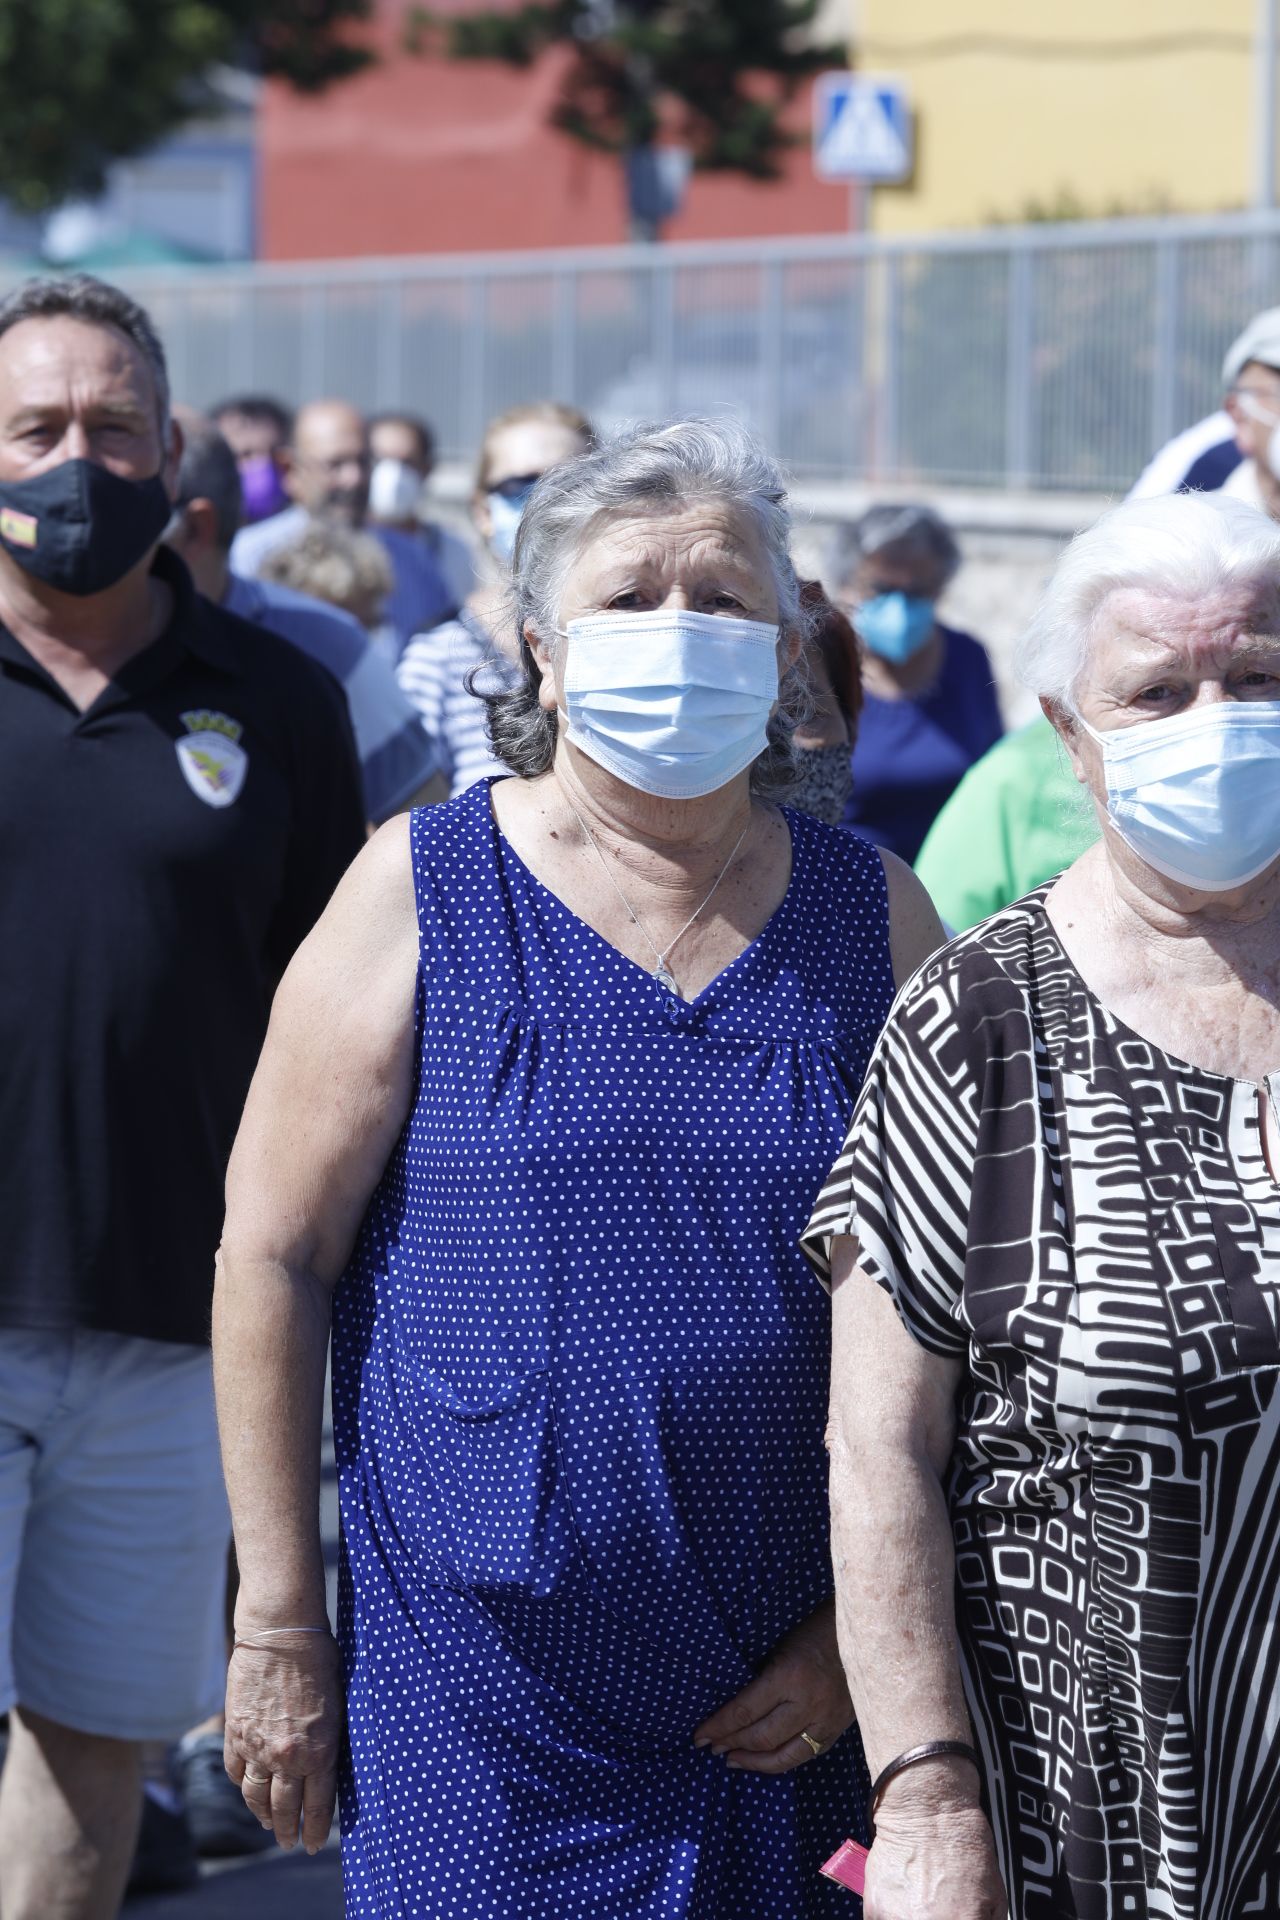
(1015, 105)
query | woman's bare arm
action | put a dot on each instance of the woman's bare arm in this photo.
(328, 1102)
(915, 930)
(890, 1438)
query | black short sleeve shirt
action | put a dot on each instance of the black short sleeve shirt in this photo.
(163, 853)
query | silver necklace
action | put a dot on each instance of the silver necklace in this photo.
(661, 972)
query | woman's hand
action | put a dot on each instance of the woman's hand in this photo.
(284, 1725)
(800, 1689)
(934, 1856)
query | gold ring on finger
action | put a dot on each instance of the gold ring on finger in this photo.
(257, 1779)
(814, 1746)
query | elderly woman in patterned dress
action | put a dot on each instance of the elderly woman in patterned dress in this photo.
(1054, 1239)
(542, 1112)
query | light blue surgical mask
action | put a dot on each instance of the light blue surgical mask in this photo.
(894, 625)
(1197, 795)
(673, 703)
(505, 514)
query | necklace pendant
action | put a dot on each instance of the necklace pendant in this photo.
(664, 976)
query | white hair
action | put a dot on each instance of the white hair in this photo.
(1185, 547)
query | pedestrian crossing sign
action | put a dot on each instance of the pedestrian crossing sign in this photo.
(861, 128)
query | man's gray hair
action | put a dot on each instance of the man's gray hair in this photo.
(209, 472)
(1184, 547)
(81, 296)
(648, 469)
(909, 525)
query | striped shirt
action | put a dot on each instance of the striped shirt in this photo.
(434, 672)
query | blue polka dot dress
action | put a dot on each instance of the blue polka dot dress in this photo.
(580, 1380)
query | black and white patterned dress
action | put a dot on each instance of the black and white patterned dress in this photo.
(1091, 1227)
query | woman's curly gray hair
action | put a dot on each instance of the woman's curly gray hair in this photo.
(658, 467)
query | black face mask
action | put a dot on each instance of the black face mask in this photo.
(80, 527)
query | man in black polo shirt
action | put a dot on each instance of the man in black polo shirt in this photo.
(178, 797)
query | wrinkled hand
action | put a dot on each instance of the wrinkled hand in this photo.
(284, 1726)
(934, 1866)
(800, 1688)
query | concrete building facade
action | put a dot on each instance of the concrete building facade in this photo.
(1080, 110)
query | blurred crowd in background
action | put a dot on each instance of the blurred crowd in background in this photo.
(905, 742)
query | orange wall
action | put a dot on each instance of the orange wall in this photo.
(424, 156)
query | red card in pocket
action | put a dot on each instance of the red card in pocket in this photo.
(848, 1866)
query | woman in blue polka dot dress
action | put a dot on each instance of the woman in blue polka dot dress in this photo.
(546, 1101)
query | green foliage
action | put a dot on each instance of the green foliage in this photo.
(86, 82)
(714, 73)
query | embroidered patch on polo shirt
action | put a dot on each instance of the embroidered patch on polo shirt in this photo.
(213, 762)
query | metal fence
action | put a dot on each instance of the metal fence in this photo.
(1049, 357)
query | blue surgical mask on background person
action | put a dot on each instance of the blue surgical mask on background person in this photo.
(671, 702)
(506, 510)
(894, 625)
(1197, 795)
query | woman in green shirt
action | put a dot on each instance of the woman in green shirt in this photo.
(1018, 817)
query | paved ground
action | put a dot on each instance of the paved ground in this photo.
(272, 1886)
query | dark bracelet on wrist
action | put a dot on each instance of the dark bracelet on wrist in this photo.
(930, 1750)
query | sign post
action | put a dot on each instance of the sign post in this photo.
(862, 131)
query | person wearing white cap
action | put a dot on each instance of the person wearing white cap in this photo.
(1251, 376)
(1227, 451)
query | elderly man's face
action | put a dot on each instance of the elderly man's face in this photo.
(71, 390)
(704, 556)
(329, 463)
(1153, 657)
(400, 440)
